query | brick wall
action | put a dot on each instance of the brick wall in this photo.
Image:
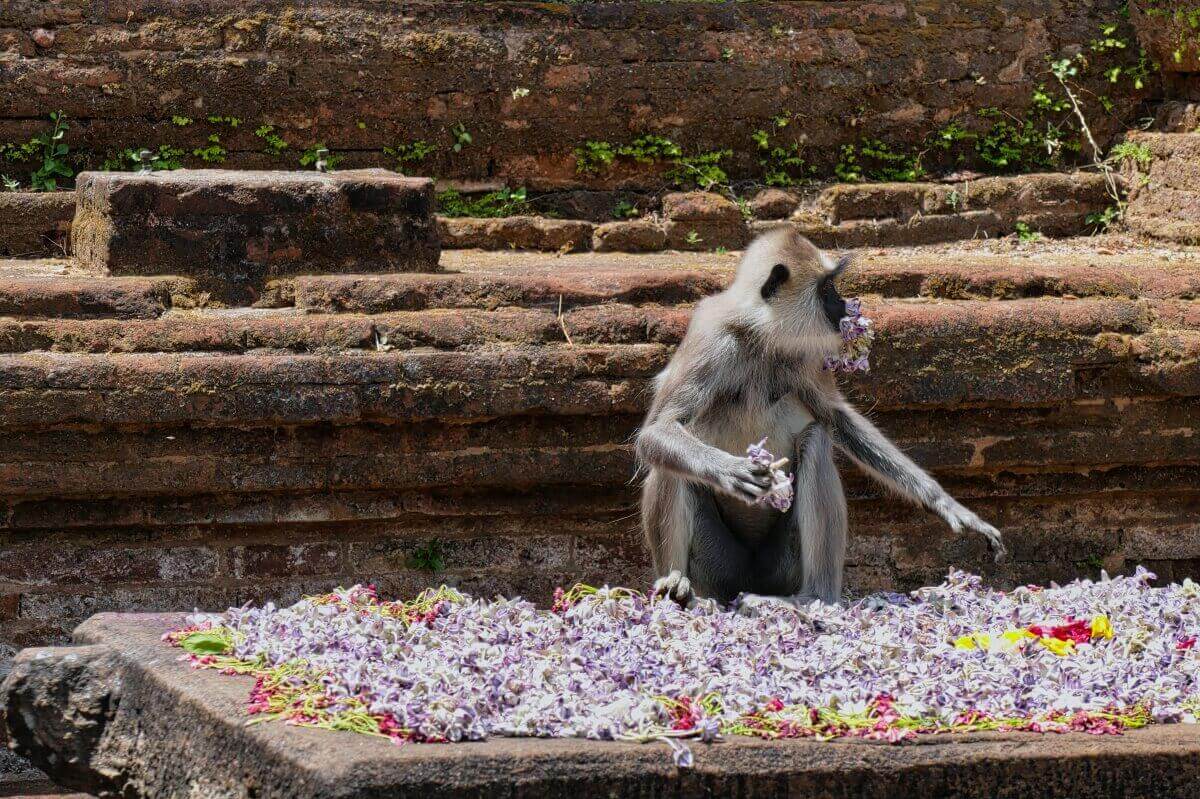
(361, 75)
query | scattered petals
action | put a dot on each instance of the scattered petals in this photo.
(615, 664)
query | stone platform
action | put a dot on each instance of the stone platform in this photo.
(121, 715)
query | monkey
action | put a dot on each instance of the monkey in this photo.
(749, 365)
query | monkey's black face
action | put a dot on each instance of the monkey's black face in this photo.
(831, 302)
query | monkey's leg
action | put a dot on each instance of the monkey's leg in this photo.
(719, 564)
(818, 518)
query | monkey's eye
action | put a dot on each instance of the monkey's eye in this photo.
(779, 275)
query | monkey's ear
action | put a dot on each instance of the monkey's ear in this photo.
(779, 275)
(844, 260)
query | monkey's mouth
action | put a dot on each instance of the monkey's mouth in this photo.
(857, 333)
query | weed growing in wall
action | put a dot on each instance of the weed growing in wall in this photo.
(505, 202)
(165, 158)
(273, 143)
(782, 163)
(429, 557)
(309, 156)
(407, 155)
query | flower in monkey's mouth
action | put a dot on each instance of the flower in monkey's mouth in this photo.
(857, 334)
(779, 496)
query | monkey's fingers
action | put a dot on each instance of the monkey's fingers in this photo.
(995, 540)
(675, 587)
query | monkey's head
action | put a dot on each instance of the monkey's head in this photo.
(786, 285)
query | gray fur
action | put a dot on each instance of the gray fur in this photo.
(750, 367)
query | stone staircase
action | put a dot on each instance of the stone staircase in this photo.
(164, 445)
(474, 425)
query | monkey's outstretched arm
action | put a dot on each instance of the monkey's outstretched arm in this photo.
(870, 449)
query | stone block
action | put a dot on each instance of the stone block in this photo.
(704, 206)
(774, 204)
(232, 230)
(640, 235)
(35, 223)
(515, 233)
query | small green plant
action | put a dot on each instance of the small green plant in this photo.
(232, 122)
(1025, 233)
(782, 164)
(873, 159)
(505, 202)
(181, 122)
(54, 152)
(594, 157)
(273, 143)
(702, 171)
(693, 238)
(213, 152)
(309, 156)
(8, 183)
(164, 158)
(625, 210)
(650, 148)
(1101, 221)
(461, 137)
(430, 557)
(411, 153)
(1136, 152)
(847, 168)
(726, 53)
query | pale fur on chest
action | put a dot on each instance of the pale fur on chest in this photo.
(736, 425)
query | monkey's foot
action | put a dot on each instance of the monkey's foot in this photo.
(675, 586)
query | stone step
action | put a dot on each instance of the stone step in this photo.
(522, 452)
(487, 281)
(50, 289)
(1030, 351)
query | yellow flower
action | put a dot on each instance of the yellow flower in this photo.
(973, 641)
(1102, 627)
(1058, 646)
(1014, 638)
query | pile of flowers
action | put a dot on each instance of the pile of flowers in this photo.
(857, 334)
(615, 664)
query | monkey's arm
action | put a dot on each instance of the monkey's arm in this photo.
(874, 453)
(664, 442)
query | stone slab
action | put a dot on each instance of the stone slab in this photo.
(121, 714)
(35, 223)
(233, 229)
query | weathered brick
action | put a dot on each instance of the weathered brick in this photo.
(264, 561)
(232, 230)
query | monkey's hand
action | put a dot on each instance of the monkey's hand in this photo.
(675, 586)
(744, 479)
(961, 518)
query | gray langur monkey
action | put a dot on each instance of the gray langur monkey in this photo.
(750, 366)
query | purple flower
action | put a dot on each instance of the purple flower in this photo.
(781, 493)
(857, 334)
